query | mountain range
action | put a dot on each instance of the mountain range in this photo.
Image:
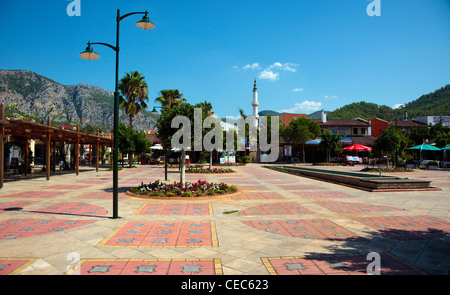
(82, 102)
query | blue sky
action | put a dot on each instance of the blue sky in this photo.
(306, 55)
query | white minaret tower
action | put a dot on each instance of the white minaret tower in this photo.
(255, 105)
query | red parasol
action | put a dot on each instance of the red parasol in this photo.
(357, 148)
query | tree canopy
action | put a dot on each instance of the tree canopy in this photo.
(134, 96)
(299, 131)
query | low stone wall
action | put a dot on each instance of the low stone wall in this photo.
(385, 183)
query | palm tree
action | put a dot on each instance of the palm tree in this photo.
(134, 96)
(170, 97)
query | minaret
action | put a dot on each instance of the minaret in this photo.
(255, 105)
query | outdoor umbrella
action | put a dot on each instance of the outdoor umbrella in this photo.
(357, 148)
(424, 147)
(156, 147)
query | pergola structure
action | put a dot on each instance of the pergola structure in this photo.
(49, 134)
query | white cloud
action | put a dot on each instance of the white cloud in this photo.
(271, 72)
(253, 66)
(331, 97)
(268, 75)
(305, 107)
(285, 67)
(298, 89)
(398, 105)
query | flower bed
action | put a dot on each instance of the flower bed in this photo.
(207, 170)
(188, 189)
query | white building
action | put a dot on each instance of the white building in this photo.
(433, 120)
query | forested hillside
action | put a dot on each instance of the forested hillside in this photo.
(436, 103)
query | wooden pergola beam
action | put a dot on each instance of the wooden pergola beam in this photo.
(47, 150)
(2, 145)
(32, 130)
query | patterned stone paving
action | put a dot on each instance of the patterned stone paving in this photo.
(335, 265)
(13, 206)
(93, 181)
(263, 193)
(21, 228)
(341, 207)
(305, 228)
(35, 194)
(12, 266)
(276, 209)
(175, 209)
(149, 267)
(100, 195)
(66, 187)
(408, 227)
(300, 187)
(323, 194)
(257, 196)
(72, 208)
(163, 234)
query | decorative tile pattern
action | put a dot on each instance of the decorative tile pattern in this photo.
(13, 206)
(21, 228)
(35, 194)
(100, 195)
(300, 187)
(408, 227)
(72, 208)
(305, 228)
(211, 266)
(163, 234)
(66, 187)
(12, 266)
(335, 265)
(276, 209)
(196, 209)
(323, 194)
(341, 207)
(257, 196)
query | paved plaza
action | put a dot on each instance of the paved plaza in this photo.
(276, 224)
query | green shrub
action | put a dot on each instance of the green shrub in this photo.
(187, 194)
(154, 193)
(170, 194)
(233, 188)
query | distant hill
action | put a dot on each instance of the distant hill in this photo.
(317, 115)
(91, 103)
(436, 103)
(268, 113)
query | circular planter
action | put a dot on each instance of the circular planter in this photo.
(180, 197)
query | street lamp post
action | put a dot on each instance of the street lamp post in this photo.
(89, 54)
